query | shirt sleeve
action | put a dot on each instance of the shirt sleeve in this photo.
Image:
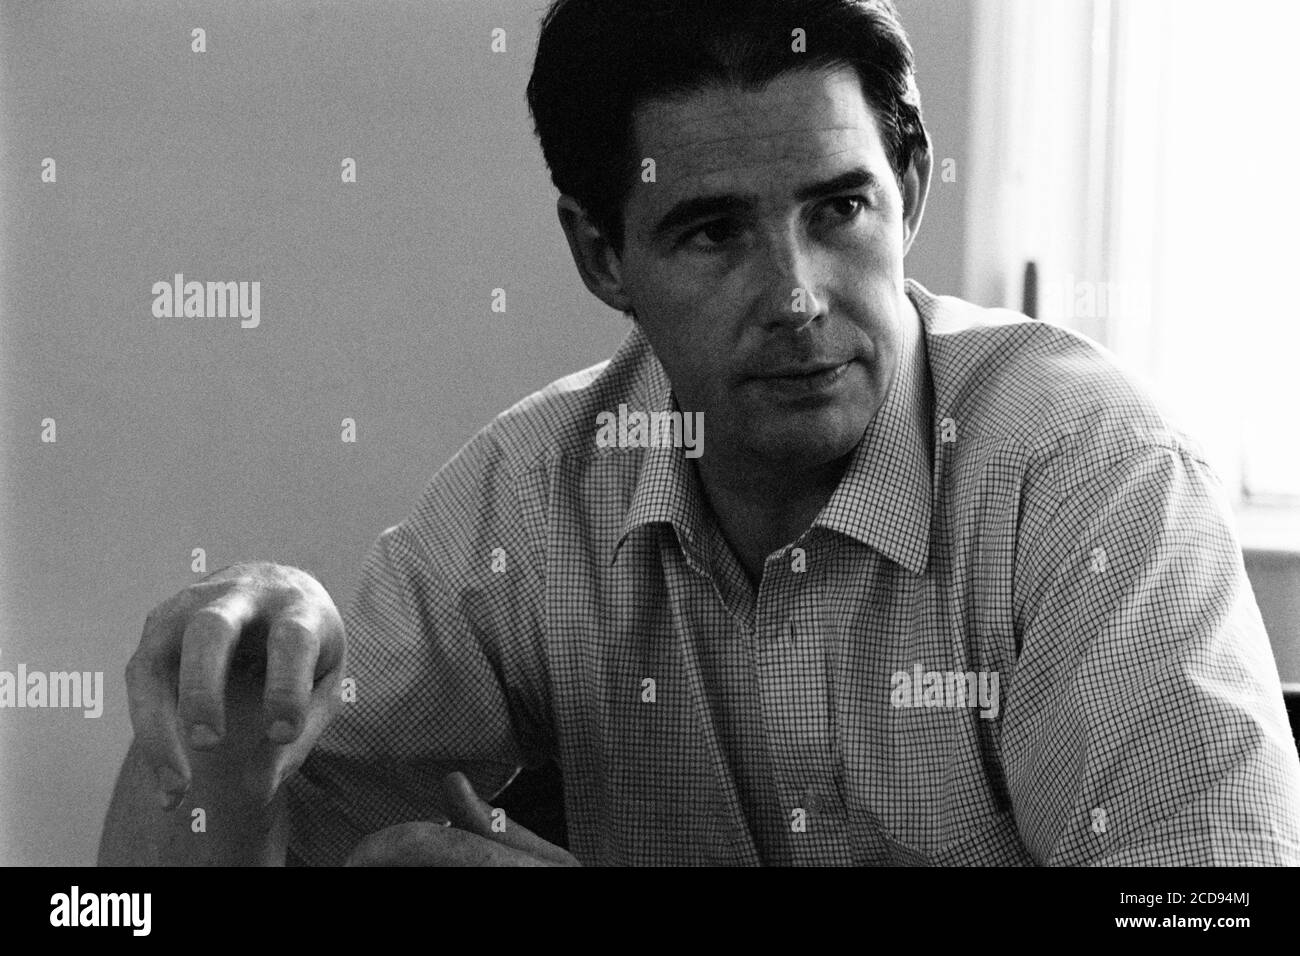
(1145, 723)
(444, 670)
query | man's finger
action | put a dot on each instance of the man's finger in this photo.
(465, 809)
(274, 763)
(151, 700)
(292, 649)
(432, 844)
(468, 811)
(207, 647)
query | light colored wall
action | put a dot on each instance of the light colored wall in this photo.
(182, 433)
(174, 434)
(942, 35)
(1275, 578)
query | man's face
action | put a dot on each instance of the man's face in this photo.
(763, 200)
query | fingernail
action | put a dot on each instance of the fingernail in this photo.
(282, 731)
(201, 735)
(171, 788)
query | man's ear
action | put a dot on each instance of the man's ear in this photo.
(593, 254)
(916, 186)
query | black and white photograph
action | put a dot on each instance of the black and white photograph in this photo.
(651, 433)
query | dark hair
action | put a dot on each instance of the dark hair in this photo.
(597, 60)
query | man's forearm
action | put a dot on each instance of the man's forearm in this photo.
(227, 832)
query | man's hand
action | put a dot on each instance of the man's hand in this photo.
(468, 840)
(238, 675)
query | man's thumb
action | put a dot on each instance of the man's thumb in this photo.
(465, 809)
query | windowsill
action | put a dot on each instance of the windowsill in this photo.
(1269, 530)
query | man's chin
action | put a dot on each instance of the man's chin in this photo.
(805, 449)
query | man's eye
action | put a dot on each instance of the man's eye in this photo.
(846, 207)
(714, 233)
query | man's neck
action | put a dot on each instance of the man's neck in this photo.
(761, 510)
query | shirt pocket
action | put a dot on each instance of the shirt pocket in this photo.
(993, 841)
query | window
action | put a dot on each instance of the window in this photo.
(1140, 153)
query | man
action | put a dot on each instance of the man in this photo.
(940, 586)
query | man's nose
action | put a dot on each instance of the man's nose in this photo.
(792, 299)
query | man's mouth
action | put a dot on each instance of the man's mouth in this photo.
(805, 379)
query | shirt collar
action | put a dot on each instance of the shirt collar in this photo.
(883, 500)
(667, 490)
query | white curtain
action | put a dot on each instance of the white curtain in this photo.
(1144, 153)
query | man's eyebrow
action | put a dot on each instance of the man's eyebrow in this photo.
(858, 178)
(703, 207)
